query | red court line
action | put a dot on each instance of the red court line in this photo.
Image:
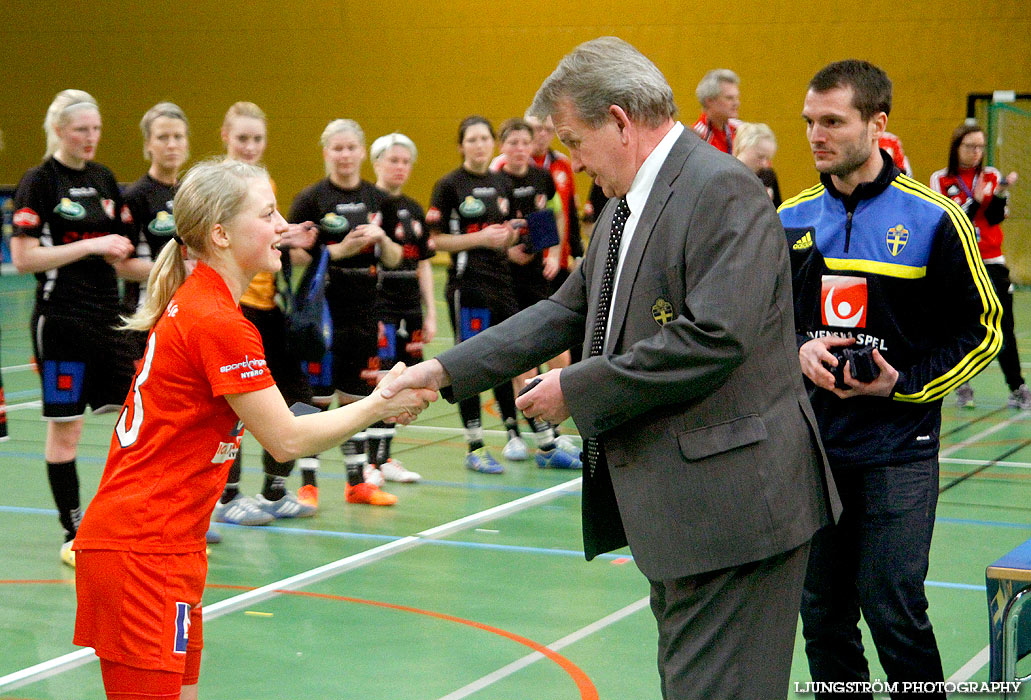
(583, 682)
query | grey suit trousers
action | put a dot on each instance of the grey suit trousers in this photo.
(729, 634)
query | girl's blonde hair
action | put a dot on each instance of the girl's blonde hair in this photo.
(242, 109)
(66, 103)
(751, 133)
(212, 192)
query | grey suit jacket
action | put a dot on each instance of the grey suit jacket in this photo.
(713, 454)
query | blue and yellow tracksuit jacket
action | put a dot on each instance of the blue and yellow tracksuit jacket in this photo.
(896, 266)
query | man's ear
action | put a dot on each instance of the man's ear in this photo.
(622, 120)
(879, 125)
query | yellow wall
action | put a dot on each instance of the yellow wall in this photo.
(420, 67)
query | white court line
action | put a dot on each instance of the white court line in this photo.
(458, 431)
(956, 460)
(24, 406)
(17, 368)
(983, 434)
(970, 667)
(60, 664)
(518, 665)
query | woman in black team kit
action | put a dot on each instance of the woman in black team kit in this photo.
(346, 210)
(533, 190)
(405, 305)
(166, 145)
(70, 227)
(468, 215)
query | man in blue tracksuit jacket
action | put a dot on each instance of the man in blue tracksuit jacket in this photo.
(879, 260)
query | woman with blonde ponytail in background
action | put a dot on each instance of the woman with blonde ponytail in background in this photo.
(141, 549)
(70, 229)
(245, 136)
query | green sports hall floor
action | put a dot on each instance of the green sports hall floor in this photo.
(472, 586)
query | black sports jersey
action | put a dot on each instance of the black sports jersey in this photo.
(464, 202)
(351, 287)
(530, 192)
(150, 202)
(405, 223)
(60, 205)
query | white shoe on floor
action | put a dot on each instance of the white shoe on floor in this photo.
(516, 450)
(373, 476)
(393, 470)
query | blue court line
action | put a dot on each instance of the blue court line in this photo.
(522, 549)
(500, 487)
(986, 523)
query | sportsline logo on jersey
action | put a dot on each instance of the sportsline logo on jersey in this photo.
(843, 301)
(248, 368)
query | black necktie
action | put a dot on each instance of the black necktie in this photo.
(601, 316)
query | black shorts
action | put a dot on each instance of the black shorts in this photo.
(474, 309)
(282, 364)
(529, 284)
(352, 364)
(81, 362)
(400, 338)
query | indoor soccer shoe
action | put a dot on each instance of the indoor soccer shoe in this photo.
(309, 495)
(242, 510)
(373, 475)
(515, 450)
(557, 459)
(1020, 398)
(965, 396)
(67, 555)
(286, 507)
(393, 470)
(480, 460)
(368, 494)
(567, 444)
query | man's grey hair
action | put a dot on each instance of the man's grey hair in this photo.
(603, 72)
(709, 86)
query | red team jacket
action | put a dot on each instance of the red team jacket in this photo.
(988, 215)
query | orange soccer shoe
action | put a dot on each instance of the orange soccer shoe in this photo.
(369, 494)
(309, 495)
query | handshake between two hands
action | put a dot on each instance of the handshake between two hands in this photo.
(409, 390)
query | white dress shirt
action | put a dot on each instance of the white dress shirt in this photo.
(640, 190)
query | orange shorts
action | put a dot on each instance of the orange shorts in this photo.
(141, 610)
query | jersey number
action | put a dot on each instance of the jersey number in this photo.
(127, 434)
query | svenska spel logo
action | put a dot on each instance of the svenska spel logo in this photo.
(843, 301)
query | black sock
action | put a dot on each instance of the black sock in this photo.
(469, 409)
(275, 487)
(233, 480)
(64, 485)
(309, 468)
(543, 432)
(377, 433)
(504, 394)
(355, 459)
(386, 437)
(275, 476)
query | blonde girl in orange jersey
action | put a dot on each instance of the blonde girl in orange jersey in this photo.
(244, 133)
(140, 548)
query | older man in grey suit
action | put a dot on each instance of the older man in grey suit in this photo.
(701, 446)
